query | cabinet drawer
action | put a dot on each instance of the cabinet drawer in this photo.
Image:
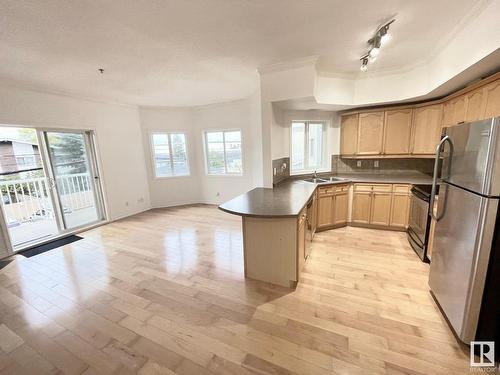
(341, 188)
(325, 190)
(382, 188)
(401, 189)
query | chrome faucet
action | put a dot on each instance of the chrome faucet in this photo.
(315, 175)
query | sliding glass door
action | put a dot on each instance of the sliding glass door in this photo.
(49, 183)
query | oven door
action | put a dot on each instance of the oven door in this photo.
(418, 224)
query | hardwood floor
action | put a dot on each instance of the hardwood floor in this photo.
(163, 292)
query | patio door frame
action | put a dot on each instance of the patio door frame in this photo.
(97, 188)
(90, 152)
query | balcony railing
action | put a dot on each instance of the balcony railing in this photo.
(28, 199)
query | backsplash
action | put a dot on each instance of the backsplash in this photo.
(386, 166)
(282, 169)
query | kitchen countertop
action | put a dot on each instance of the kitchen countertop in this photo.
(290, 196)
(285, 200)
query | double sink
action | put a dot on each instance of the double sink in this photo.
(319, 180)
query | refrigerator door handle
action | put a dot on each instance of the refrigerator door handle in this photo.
(435, 175)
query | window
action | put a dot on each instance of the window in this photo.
(223, 152)
(170, 154)
(308, 146)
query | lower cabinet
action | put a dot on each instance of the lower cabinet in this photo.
(333, 202)
(301, 241)
(384, 205)
(400, 206)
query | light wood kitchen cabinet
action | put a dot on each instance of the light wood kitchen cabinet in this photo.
(426, 131)
(332, 205)
(325, 211)
(349, 134)
(397, 131)
(370, 133)
(400, 206)
(381, 208)
(301, 241)
(475, 105)
(454, 111)
(340, 205)
(361, 207)
(492, 100)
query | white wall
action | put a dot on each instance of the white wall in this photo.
(199, 187)
(118, 133)
(171, 191)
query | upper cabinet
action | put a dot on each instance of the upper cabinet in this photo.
(349, 134)
(492, 100)
(414, 131)
(475, 104)
(426, 129)
(370, 133)
(397, 131)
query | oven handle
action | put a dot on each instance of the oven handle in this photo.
(445, 139)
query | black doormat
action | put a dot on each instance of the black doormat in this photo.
(49, 246)
(3, 263)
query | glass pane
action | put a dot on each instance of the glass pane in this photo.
(161, 151)
(179, 154)
(74, 182)
(24, 188)
(215, 153)
(298, 145)
(234, 163)
(315, 142)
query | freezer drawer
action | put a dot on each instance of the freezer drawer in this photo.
(462, 242)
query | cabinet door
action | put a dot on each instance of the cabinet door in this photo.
(399, 211)
(492, 100)
(361, 206)
(370, 133)
(448, 114)
(340, 202)
(475, 105)
(301, 245)
(426, 129)
(459, 109)
(397, 131)
(325, 214)
(381, 209)
(348, 134)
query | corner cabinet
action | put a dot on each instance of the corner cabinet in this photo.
(333, 202)
(426, 131)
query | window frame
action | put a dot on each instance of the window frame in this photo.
(324, 145)
(152, 151)
(205, 151)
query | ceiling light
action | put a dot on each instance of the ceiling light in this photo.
(364, 63)
(380, 38)
(374, 52)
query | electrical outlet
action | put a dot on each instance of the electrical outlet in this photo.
(358, 163)
(217, 194)
(375, 164)
(275, 171)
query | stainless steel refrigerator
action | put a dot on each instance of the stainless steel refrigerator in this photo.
(464, 271)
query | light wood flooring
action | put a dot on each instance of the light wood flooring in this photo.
(163, 292)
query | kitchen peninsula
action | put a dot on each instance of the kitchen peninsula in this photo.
(278, 224)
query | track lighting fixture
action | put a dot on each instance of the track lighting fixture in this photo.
(380, 38)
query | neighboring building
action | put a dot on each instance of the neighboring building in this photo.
(18, 156)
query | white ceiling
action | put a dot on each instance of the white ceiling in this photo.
(194, 52)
